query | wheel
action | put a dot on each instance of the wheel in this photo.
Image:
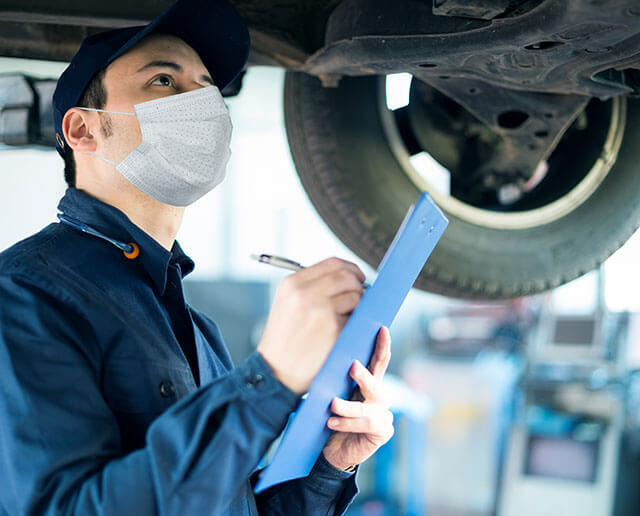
(359, 164)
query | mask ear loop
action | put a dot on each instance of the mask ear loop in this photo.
(103, 159)
(105, 111)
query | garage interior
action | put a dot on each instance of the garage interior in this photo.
(515, 391)
(523, 407)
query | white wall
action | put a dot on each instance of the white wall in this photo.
(31, 180)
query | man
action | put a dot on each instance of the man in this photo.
(117, 397)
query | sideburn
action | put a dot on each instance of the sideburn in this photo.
(105, 125)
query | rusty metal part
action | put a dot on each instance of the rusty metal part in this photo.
(528, 127)
(554, 47)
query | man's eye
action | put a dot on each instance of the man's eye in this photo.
(162, 80)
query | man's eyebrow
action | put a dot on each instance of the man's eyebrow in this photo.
(175, 66)
(162, 64)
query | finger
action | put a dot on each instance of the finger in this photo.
(318, 270)
(362, 425)
(346, 303)
(337, 282)
(352, 267)
(378, 352)
(382, 354)
(346, 408)
(328, 266)
(366, 381)
(378, 425)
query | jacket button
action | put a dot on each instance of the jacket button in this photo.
(255, 380)
(167, 390)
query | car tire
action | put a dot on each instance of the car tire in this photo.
(352, 172)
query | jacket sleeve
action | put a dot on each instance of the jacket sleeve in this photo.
(326, 491)
(60, 443)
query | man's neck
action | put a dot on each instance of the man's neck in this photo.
(159, 220)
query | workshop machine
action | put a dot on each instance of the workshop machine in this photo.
(572, 449)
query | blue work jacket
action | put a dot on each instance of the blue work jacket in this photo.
(118, 398)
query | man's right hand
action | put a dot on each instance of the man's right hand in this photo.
(309, 311)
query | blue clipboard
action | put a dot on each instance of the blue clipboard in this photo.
(307, 431)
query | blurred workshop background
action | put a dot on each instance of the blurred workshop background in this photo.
(521, 408)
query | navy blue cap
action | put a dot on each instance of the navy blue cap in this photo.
(213, 28)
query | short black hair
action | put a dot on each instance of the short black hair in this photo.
(93, 96)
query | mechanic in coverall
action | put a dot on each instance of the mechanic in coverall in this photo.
(116, 397)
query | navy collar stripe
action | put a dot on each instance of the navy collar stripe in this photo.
(113, 225)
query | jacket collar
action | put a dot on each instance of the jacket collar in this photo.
(115, 224)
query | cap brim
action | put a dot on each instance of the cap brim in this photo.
(213, 29)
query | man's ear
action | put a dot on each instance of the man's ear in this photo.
(78, 129)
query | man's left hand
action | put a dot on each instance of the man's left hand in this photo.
(361, 427)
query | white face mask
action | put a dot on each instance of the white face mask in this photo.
(184, 149)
